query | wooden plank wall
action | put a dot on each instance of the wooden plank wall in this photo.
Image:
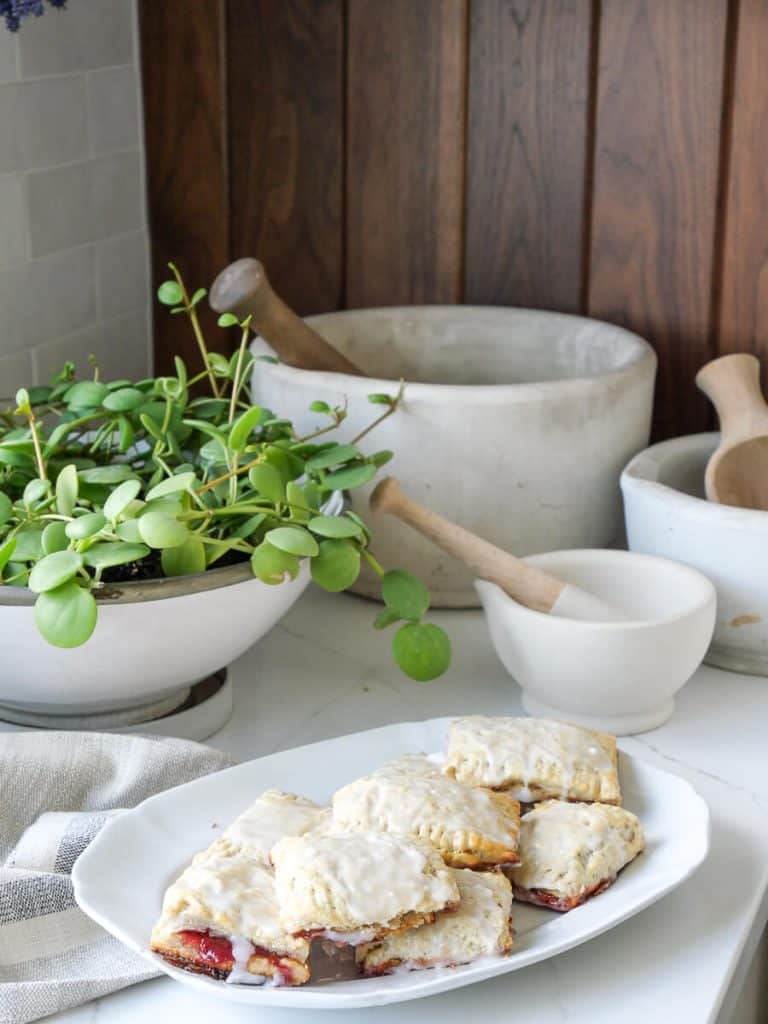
(607, 157)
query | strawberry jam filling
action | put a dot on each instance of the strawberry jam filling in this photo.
(217, 951)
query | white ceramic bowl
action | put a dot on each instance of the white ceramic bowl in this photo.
(615, 676)
(667, 514)
(519, 434)
(152, 640)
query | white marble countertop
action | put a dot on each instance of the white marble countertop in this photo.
(324, 672)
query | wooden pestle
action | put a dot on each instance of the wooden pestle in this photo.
(526, 584)
(243, 288)
(737, 472)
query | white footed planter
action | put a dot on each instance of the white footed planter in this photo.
(667, 514)
(151, 640)
(620, 677)
(515, 424)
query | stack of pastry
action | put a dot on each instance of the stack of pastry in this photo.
(412, 866)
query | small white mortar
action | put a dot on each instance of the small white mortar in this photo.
(620, 677)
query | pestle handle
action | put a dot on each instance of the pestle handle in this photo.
(243, 288)
(732, 383)
(529, 586)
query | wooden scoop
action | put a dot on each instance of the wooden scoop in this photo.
(243, 288)
(737, 472)
(523, 582)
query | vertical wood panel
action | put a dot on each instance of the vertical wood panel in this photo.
(743, 321)
(527, 150)
(285, 62)
(182, 69)
(656, 174)
(405, 160)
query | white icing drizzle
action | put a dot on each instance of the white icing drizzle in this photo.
(568, 848)
(529, 752)
(242, 950)
(480, 927)
(411, 794)
(274, 815)
(231, 895)
(345, 883)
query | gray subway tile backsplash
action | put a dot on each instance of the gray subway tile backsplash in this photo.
(73, 239)
(87, 34)
(42, 123)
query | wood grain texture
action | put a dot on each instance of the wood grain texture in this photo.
(285, 63)
(527, 152)
(743, 312)
(655, 189)
(406, 93)
(184, 115)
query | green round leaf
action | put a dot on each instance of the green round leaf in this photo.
(243, 427)
(86, 394)
(53, 570)
(126, 432)
(29, 545)
(55, 537)
(293, 539)
(86, 526)
(124, 400)
(172, 485)
(66, 490)
(114, 474)
(198, 296)
(110, 553)
(319, 406)
(170, 294)
(380, 459)
(35, 491)
(22, 400)
(129, 531)
(349, 477)
(6, 552)
(185, 560)
(160, 530)
(228, 320)
(422, 650)
(267, 481)
(333, 456)
(380, 399)
(334, 526)
(218, 363)
(6, 508)
(271, 566)
(66, 616)
(404, 595)
(120, 499)
(337, 565)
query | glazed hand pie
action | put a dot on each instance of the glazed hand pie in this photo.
(274, 815)
(220, 917)
(571, 851)
(411, 796)
(480, 927)
(356, 888)
(534, 759)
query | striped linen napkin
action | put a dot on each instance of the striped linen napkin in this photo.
(57, 790)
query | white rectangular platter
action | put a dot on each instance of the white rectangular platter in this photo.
(120, 879)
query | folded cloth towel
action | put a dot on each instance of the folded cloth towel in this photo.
(57, 789)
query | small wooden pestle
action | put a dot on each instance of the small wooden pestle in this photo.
(524, 583)
(243, 288)
(737, 472)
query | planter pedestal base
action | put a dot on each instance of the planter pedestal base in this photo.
(192, 713)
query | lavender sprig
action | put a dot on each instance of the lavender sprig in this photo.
(14, 11)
